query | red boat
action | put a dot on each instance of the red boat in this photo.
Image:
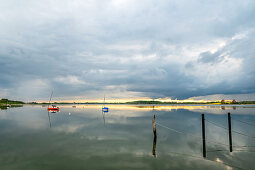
(53, 108)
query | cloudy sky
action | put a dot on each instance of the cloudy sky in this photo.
(84, 49)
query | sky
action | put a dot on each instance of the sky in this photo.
(86, 49)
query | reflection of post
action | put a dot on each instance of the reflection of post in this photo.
(203, 135)
(154, 146)
(155, 136)
(229, 133)
(49, 119)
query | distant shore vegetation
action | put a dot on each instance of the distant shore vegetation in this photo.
(154, 102)
(13, 103)
(5, 103)
(10, 102)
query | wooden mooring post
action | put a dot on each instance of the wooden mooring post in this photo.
(229, 132)
(154, 126)
(203, 135)
(155, 136)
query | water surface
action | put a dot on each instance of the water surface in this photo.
(85, 138)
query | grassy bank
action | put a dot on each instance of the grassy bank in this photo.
(5, 103)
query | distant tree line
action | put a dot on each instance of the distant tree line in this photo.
(214, 102)
(7, 101)
(236, 102)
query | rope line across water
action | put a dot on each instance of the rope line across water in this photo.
(240, 133)
(243, 122)
(199, 137)
(195, 156)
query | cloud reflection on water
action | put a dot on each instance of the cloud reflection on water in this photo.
(125, 140)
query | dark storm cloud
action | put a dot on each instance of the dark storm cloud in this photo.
(156, 48)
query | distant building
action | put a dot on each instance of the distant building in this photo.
(234, 101)
(222, 101)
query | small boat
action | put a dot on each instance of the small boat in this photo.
(104, 108)
(7, 105)
(74, 106)
(53, 108)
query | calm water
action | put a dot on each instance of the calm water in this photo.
(85, 138)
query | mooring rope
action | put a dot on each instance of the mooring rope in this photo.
(240, 133)
(209, 141)
(181, 132)
(216, 124)
(243, 122)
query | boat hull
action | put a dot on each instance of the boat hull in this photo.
(105, 109)
(53, 109)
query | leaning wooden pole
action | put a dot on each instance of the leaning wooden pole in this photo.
(155, 136)
(229, 132)
(154, 126)
(203, 135)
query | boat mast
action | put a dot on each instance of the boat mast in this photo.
(104, 100)
(50, 98)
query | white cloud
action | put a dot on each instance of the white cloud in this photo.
(71, 80)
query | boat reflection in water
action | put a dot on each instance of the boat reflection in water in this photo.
(52, 111)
